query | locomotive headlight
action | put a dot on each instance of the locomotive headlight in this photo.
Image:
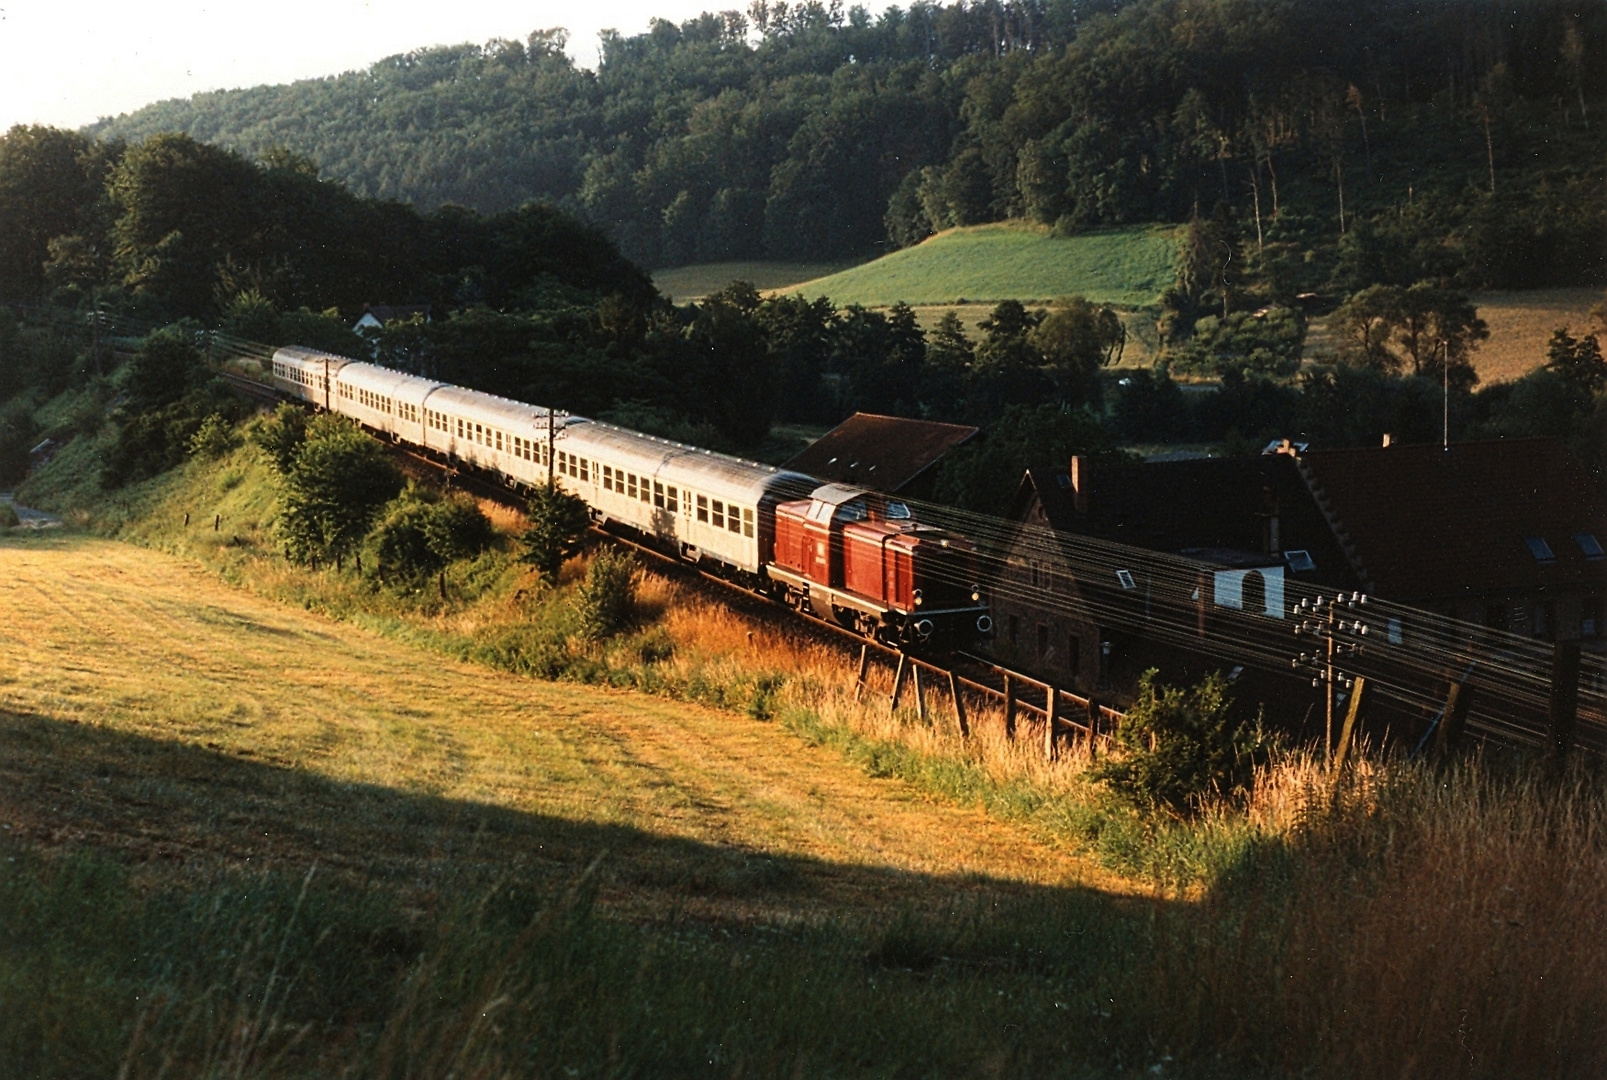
(976, 593)
(917, 596)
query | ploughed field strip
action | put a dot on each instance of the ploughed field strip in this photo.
(148, 708)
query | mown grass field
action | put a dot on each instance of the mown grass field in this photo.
(683, 283)
(174, 715)
(989, 263)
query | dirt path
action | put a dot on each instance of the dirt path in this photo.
(148, 707)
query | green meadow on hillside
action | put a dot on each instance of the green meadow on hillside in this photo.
(1129, 267)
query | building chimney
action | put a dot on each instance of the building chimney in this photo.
(1080, 483)
(1388, 440)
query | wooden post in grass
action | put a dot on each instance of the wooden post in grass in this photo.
(1093, 727)
(898, 680)
(920, 693)
(442, 582)
(1564, 704)
(186, 519)
(1453, 719)
(1009, 708)
(217, 522)
(959, 706)
(864, 669)
(1349, 729)
(1051, 713)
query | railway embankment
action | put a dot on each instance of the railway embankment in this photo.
(781, 851)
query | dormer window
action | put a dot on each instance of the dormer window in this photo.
(1300, 561)
(1540, 550)
(1126, 579)
(1590, 546)
(897, 511)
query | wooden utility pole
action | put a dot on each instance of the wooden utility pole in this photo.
(1348, 733)
(1328, 681)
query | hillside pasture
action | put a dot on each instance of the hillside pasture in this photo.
(988, 263)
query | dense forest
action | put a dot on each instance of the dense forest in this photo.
(1469, 130)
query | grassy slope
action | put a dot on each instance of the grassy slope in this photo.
(989, 263)
(372, 754)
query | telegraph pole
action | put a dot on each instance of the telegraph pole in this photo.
(1445, 373)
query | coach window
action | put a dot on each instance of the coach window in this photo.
(733, 519)
(671, 503)
(608, 478)
(719, 514)
(747, 522)
(703, 508)
(630, 485)
(658, 494)
(584, 465)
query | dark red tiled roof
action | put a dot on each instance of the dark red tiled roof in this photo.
(884, 453)
(1194, 505)
(1426, 523)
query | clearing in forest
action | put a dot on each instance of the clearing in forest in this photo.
(1130, 267)
(147, 707)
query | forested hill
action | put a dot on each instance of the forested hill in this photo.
(810, 131)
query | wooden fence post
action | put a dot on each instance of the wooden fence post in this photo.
(898, 680)
(1050, 715)
(1009, 708)
(1349, 728)
(864, 669)
(920, 693)
(1093, 728)
(959, 705)
(1564, 704)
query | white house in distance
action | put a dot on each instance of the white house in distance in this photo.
(377, 315)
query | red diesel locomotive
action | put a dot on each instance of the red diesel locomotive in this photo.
(861, 560)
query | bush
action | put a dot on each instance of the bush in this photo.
(1177, 748)
(213, 439)
(8, 516)
(606, 597)
(420, 535)
(336, 486)
(280, 435)
(558, 525)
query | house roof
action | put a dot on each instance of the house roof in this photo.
(1423, 522)
(884, 453)
(1193, 506)
(384, 313)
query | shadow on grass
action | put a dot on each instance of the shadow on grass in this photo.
(156, 913)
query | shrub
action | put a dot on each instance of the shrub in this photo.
(420, 535)
(280, 435)
(558, 525)
(338, 483)
(1177, 748)
(213, 439)
(8, 516)
(606, 597)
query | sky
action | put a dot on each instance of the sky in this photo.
(67, 63)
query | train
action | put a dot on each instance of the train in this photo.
(851, 556)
